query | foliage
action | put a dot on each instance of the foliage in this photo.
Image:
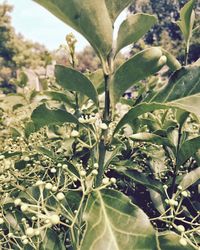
(82, 171)
(166, 33)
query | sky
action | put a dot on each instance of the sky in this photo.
(37, 24)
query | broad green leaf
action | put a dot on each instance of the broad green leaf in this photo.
(134, 28)
(187, 79)
(142, 178)
(73, 80)
(190, 178)
(149, 137)
(42, 116)
(187, 19)
(67, 98)
(97, 79)
(140, 66)
(114, 223)
(136, 111)
(188, 149)
(89, 17)
(115, 7)
(170, 241)
(172, 62)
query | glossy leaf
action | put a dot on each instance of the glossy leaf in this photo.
(89, 17)
(187, 18)
(190, 178)
(142, 178)
(73, 80)
(188, 149)
(114, 223)
(115, 7)
(42, 116)
(137, 68)
(134, 28)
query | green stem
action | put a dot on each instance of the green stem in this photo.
(103, 140)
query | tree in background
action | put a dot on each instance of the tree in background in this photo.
(16, 52)
(166, 32)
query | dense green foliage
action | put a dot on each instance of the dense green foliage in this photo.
(84, 168)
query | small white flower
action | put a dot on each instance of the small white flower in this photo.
(113, 180)
(82, 173)
(184, 194)
(105, 181)
(181, 228)
(17, 202)
(48, 186)
(53, 170)
(30, 231)
(74, 133)
(94, 172)
(55, 219)
(183, 242)
(60, 196)
(103, 126)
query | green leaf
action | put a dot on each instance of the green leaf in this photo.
(42, 116)
(172, 62)
(187, 18)
(187, 79)
(89, 17)
(149, 137)
(67, 98)
(29, 129)
(136, 111)
(114, 223)
(170, 241)
(190, 178)
(134, 28)
(97, 79)
(52, 241)
(73, 80)
(142, 178)
(140, 66)
(115, 7)
(187, 150)
(45, 151)
(156, 198)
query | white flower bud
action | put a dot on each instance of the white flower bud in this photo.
(181, 228)
(74, 133)
(94, 172)
(103, 126)
(55, 219)
(183, 242)
(48, 186)
(30, 231)
(105, 181)
(17, 202)
(60, 196)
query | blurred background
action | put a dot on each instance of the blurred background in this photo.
(32, 40)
